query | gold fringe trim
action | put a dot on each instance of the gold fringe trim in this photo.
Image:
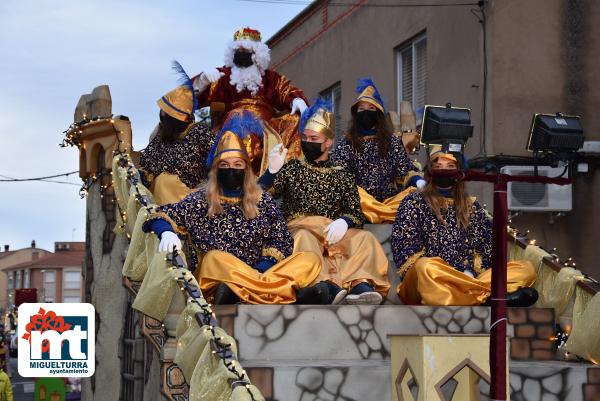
(477, 264)
(409, 263)
(274, 253)
(322, 169)
(227, 199)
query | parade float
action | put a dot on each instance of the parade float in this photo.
(159, 338)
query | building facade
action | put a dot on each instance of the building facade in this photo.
(540, 57)
(14, 257)
(56, 276)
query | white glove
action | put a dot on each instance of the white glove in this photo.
(469, 273)
(421, 184)
(298, 105)
(336, 231)
(277, 157)
(206, 78)
(168, 240)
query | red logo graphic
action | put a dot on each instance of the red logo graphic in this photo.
(44, 321)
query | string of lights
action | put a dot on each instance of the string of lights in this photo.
(187, 284)
(73, 139)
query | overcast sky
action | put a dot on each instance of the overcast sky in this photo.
(52, 52)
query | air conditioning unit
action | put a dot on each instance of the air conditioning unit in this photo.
(536, 197)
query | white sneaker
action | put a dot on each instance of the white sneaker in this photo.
(366, 298)
(339, 297)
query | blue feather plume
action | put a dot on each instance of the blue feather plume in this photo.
(184, 80)
(364, 83)
(320, 103)
(242, 123)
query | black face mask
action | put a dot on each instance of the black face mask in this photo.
(443, 182)
(366, 119)
(231, 179)
(170, 128)
(242, 59)
(311, 150)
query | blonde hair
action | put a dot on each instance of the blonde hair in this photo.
(251, 193)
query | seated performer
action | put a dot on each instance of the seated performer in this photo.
(246, 82)
(174, 161)
(376, 157)
(321, 202)
(244, 239)
(442, 245)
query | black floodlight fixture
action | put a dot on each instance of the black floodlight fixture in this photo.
(447, 126)
(555, 133)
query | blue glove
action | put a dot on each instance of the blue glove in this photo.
(265, 263)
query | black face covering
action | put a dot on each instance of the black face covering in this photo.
(366, 119)
(311, 150)
(443, 182)
(231, 178)
(242, 59)
(170, 128)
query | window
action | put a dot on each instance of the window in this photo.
(71, 280)
(11, 282)
(26, 280)
(334, 93)
(49, 285)
(49, 277)
(18, 282)
(71, 299)
(411, 69)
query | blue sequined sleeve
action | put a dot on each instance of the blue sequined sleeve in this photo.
(480, 233)
(278, 243)
(407, 241)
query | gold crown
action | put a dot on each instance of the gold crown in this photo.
(178, 103)
(247, 34)
(322, 122)
(368, 95)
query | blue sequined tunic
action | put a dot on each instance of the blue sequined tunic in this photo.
(185, 157)
(376, 175)
(418, 232)
(319, 189)
(267, 235)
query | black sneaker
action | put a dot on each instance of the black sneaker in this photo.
(522, 298)
(317, 294)
(224, 295)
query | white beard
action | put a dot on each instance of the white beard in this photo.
(248, 78)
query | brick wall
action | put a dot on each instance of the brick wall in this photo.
(533, 334)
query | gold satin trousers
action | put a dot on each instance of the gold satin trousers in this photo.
(278, 285)
(432, 281)
(356, 258)
(381, 212)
